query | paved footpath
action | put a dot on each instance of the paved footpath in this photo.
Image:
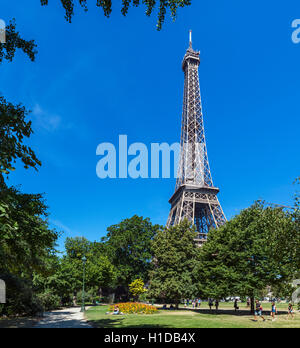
(64, 318)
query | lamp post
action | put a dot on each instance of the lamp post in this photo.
(83, 294)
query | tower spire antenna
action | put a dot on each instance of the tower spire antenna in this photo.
(191, 39)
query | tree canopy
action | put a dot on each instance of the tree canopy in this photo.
(25, 235)
(106, 5)
(14, 126)
(256, 249)
(26, 242)
(175, 256)
(128, 246)
(13, 42)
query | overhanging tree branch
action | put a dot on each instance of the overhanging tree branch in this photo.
(106, 5)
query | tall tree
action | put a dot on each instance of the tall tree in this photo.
(106, 6)
(99, 271)
(26, 239)
(175, 256)
(128, 246)
(256, 249)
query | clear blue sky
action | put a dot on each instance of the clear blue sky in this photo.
(97, 78)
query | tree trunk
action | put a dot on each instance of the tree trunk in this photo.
(74, 299)
(252, 304)
(100, 293)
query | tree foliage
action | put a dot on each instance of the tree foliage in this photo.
(175, 258)
(26, 244)
(128, 246)
(256, 249)
(137, 288)
(65, 280)
(14, 128)
(13, 42)
(26, 239)
(106, 5)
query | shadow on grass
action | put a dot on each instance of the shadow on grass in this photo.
(118, 323)
(231, 312)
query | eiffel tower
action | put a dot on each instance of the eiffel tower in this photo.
(195, 196)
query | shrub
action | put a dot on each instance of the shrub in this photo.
(137, 288)
(144, 298)
(20, 298)
(90, 296)
(49, 301)
(135, 308)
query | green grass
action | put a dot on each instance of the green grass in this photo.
(189, 318)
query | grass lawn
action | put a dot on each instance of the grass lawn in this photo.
(189, 318)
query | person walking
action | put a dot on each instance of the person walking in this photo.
(210, 303)
(258, 311)
(290, 311)
(217, 305)
(273, 311)
(248, 302)
(236, 307)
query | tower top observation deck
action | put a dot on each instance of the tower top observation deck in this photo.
(191, 55)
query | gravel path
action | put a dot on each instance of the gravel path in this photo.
(65, 318)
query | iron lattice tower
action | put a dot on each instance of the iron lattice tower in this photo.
(195, 196)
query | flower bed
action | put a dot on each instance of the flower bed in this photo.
(134, 308)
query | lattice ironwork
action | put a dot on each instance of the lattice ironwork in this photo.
(195, 196)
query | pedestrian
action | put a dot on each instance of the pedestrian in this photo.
(199, 302)
(210, 303)
(196, 303)
(187, 302)
(248, 302)
(236, 307)
(273, 311)
(258, 311)
(217, 305)
(193, 304)
(290, 311)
